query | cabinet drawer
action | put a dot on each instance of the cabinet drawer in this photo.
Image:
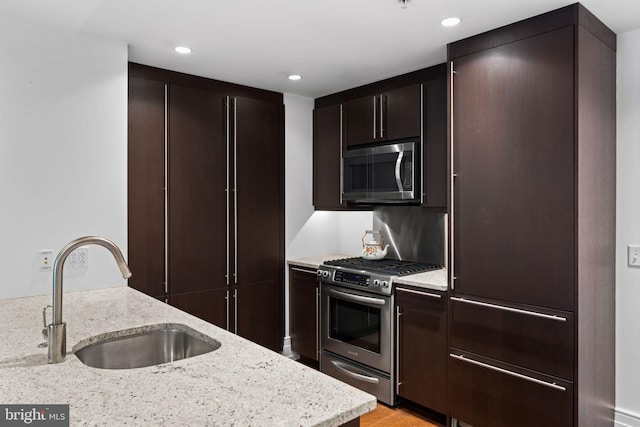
(540, 341)
(483, 393)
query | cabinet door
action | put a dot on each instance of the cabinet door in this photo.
(327, 157)
(258, 202)
(422, 348)
(434, 148)
(210, 305)
(400, 116)
(197, 208)
(483, 393)
(361, 120)
(513, 150)
(146, 124)
(304, 302)
(258, 313)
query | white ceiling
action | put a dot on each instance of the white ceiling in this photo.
(334, 45)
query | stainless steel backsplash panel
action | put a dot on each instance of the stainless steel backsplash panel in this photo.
(413, 233)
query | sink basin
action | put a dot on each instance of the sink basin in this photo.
(144, 346)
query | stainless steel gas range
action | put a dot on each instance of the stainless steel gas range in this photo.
(357, 325)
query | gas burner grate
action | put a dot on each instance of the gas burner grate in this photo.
(391, 266)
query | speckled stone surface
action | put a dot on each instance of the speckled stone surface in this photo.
(316, 261)
(434, 279)
(239, 384)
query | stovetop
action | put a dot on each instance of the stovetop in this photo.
(392, 267)
(374, 276)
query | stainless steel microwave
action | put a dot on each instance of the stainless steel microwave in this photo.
(381, 174)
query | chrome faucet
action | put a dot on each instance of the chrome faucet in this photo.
(57, 331)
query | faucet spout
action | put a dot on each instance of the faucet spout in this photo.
(57, 347)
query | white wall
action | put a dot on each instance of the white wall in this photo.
(307, 232)
(628, 231)
(63, 136)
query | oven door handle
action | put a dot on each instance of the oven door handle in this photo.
(342, 368)
(356, 298)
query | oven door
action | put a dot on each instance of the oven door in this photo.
(358, 325)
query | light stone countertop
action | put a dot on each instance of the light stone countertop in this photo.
(434, 279)
(240, 384)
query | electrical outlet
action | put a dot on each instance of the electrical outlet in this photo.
(634, 255)
(45, 260)
(78, 258)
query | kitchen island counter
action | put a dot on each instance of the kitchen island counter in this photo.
(241, 383)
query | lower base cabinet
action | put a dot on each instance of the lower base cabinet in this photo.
(304, 294)
(485, 394)
(422, 347)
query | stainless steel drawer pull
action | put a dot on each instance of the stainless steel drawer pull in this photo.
(426, 294)
(511, 373)
(513, 310)
(354, 375)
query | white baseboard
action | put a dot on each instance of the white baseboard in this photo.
(286, 349)
(626, 419)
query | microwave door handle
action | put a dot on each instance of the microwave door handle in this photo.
(398, 166)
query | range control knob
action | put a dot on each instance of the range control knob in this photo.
(319, 273)
(325, 274)
(376, 282)
(385, 284)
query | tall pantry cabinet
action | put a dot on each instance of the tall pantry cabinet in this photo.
(206, 213)
(532, 292)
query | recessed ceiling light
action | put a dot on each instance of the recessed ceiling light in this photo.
(183, 49)
(450, 22)
(295, 77)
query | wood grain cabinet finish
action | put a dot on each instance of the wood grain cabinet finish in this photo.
(533, 223)
(304, 297)
(422, 347)
(206, 199)
(412, 105)
(387, 116)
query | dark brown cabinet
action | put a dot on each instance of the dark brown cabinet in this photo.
(394, 114)
(206, 200)
(327, 157)
(421, 331)
(413, 105)
(304, 296)
(533, 224)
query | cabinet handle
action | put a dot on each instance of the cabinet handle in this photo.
(375, 124)
(235, 193)
(398, 314)
(318, 322)
(228, 118)
(426, 294)
(360, 377)
(507, 372)
(227, 301)
(422, 145)
(235, 309)
(451, 202)
(166, 189)
(381, 101)
(511, 309)
(341, 165)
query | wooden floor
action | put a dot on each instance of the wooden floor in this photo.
(401, 416)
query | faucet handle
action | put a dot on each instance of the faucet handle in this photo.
(45, 330)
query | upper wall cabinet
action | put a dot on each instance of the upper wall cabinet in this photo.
(412, 106)
(394, 114)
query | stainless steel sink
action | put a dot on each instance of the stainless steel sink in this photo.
(146, 346)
